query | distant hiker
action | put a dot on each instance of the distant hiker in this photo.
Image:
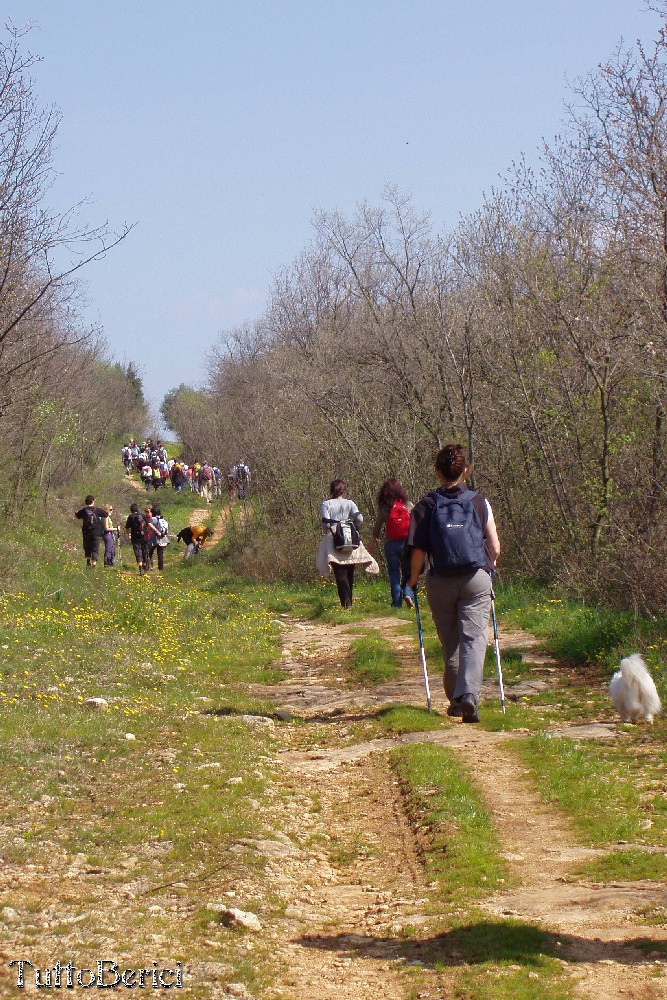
(341, 548)
(393, 518)
(91, 528)
(108, 532)
(126, 454)
(146, 474)
(177, 476)
(135, 528)
(241, 474)
(204, 481)
(157, 529)
(454, 527)
(194, 537)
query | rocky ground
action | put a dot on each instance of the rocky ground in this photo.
(346, 862)
(345, 911)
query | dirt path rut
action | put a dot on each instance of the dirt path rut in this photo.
(358, 912)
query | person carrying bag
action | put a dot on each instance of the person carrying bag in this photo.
(454, 529)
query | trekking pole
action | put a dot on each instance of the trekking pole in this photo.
(495, 639)
(421, 650)
(120, 549)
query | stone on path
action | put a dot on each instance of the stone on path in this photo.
(232, 917)
(95, 703)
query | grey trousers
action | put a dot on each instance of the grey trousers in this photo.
(460, 606)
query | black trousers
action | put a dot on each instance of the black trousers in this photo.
(345, 582)
(160, 556)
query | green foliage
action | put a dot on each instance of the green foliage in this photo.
(624, 866)
(609, 791)
(461, 851)
(374, 660)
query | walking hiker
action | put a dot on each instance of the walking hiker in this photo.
(157, 538)
(91, 529)
(241, 474)
(204, 480)
(341, 548)
(148, 521)
(135, 528)
(393, 518)
(194, 537)
(454, 528)
(108, 533)
(177, 476)
(146, 474)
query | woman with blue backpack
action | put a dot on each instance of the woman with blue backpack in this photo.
(393, 518)
(454, 529)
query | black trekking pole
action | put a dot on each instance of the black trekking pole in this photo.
(495, 639)
(421, 650)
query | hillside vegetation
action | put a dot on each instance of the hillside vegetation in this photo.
(534, 333)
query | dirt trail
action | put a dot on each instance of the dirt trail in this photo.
(202, 514)
(349, 871)
(350, 888)
(313, 657)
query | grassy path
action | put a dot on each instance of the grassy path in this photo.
(256, 749)
(362, 918)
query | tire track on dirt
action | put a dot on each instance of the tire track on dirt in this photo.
(345, 937)
(350, 899)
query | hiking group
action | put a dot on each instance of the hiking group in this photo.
(156, 469)
(148, 533)
(451, 532)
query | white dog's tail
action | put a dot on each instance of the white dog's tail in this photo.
(638, 679)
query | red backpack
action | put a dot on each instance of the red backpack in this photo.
(398, 522)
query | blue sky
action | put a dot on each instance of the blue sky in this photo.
(219, 128)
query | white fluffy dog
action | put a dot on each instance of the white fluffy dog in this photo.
(633, 692)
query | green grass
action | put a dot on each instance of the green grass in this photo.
(460, 847)
(407, 719)
(582, 634)
(623, 866)
(612, 792)
(501, 958)
(514, 666)
(506, 960)
(491, 959)
(172, 655)
(374, 660)
(318, 600)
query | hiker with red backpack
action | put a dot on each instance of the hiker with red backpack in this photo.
(393, 518)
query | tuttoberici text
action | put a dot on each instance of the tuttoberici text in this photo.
(105, 976)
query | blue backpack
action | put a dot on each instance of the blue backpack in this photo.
(456, 534)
